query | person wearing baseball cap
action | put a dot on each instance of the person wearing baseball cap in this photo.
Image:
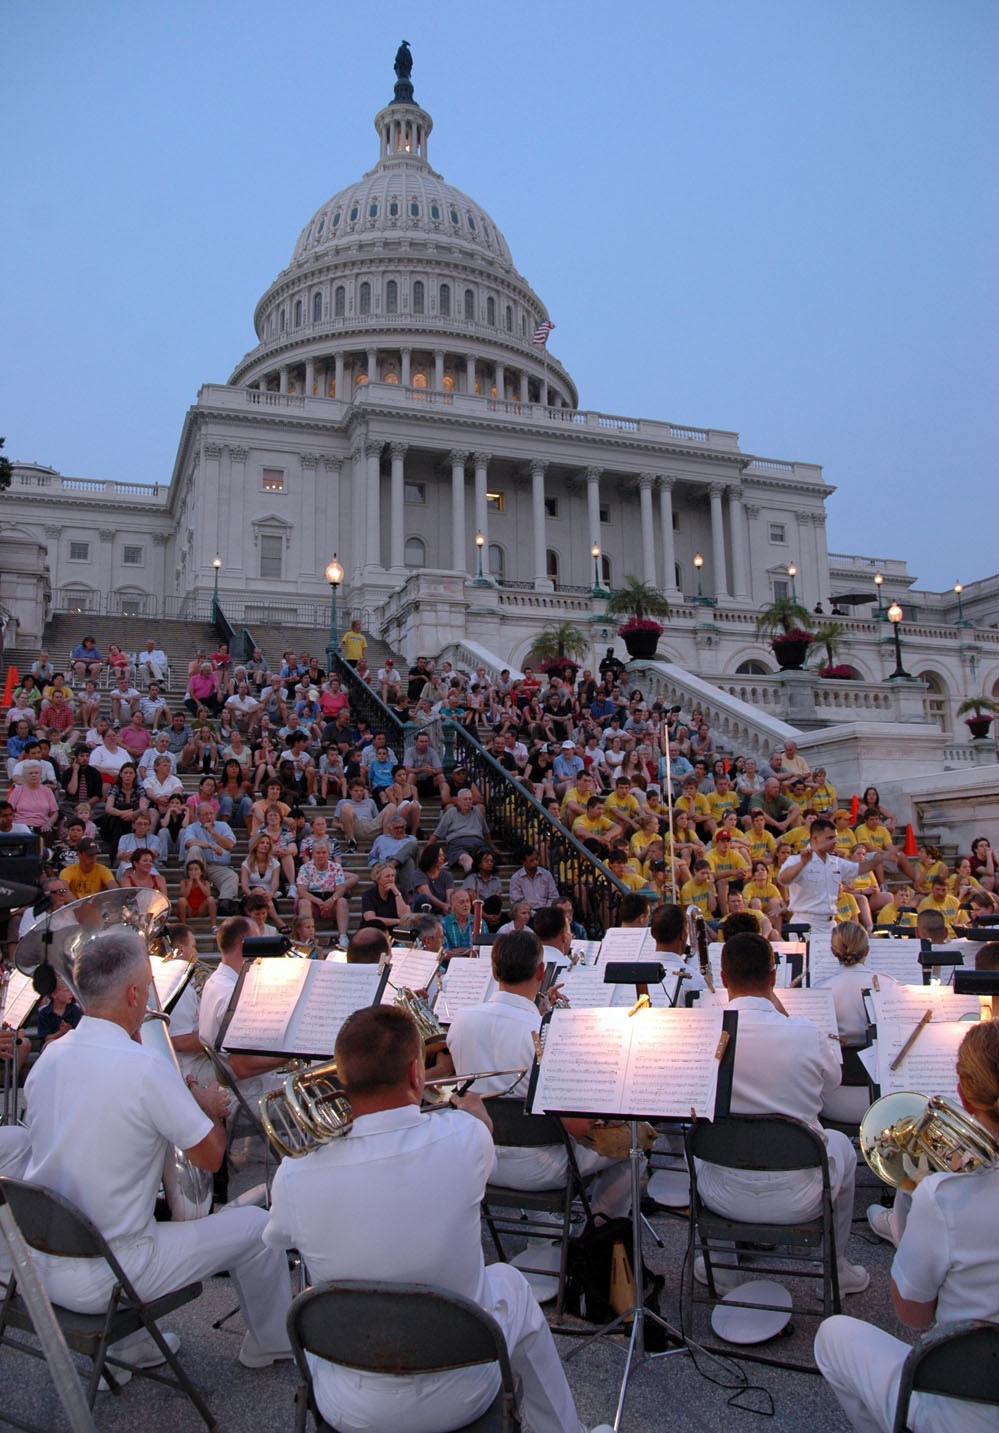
(86, 876)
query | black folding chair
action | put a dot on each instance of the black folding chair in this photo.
(400, 1329)
(54, 1226)
(762, 1143)
(514, 1128)
(954, 1361)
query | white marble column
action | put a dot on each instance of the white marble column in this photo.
(372, 363)
(358, 508)
(500, 381)
(439, 369)
(338, 378)
(482, 461)
(330, 532)
(405, 376)
(538, 522)
(469, 374)
(525, 391)
(310, 376)
(740, 545)
(458, 554)
(372, 544)
(397, 541)
(593, 505)
(645, 481)
(718, 542)
(665, 485)
(283, 379)
(821, 558)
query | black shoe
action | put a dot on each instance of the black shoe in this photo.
(351, 847)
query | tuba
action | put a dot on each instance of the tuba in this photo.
(909, 1125)
(432, 1032)
(52, 947)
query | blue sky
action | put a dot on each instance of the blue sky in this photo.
(773, 217)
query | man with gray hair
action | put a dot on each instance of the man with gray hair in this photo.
(102, 1114)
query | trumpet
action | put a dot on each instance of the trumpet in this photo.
(310, 1108)
(909, 1125)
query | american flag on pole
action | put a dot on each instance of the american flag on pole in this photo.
(542, 331)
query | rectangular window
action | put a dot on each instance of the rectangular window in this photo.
(495, 502)
(131, 556)
(778, 532)
(605, 514)
(414, 492)
(676, 521)
(273, 480)
(551, 507)
(79, 552)
(781, 589)
(270, 555)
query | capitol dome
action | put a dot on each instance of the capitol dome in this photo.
(402, 278)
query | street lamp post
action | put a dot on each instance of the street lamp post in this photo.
(895, 618)
(598, 590)
(792, 572)
(878, 580)
(217, 564)
(962, 621)
(480, 579)
(334, 576)
(698, 564)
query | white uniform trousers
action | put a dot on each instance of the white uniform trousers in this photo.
(546, 1168)
(433, 1403)
(15, 1150)
(168, 1256)
(780, 1198)
(863, 1366)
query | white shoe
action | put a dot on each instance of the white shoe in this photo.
(251, 1355)
(144, 1353)
(600, 1428)
(853, 1278)
(880, 1220)
(726, 1276)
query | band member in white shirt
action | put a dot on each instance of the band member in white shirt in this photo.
(814, 875)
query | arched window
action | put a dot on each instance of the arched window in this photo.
(491, 312)
(317, 307)
(469, 304)
(509, 319)
(445, 300)
(415, 552)
(448, 382)
(605, 571)
(391, 297)
(339, 301)
(282, 325)
(364, 298)
(418, 296)
(551, 564)
(752, 668)
(419, 379)
(496, 561)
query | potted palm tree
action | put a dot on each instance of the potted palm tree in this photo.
(786, 622)
(830, 637)
(640, 604)
(981, 711)
(554, 650)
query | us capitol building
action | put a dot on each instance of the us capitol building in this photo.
(398, 411)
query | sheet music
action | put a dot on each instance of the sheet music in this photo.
(897, 958)
(467, 981)
(817, 1006)
(332, 992)
(21, 999)
(909, 1002)
(266, 1004)
(585, 988)
(587, 950)
(930, 1067)
(655, 1064)
(621, 943)
(821, 961)
(169, 979)
(410, 970)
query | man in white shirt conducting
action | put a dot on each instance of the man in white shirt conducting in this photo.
(443, 1162)
(814, 875)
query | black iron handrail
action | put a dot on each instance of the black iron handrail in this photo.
(368, 704)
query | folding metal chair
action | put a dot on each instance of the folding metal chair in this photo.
(763, 1143)
(401, 1329)
(514, 1128)
(954, 1361)
(54, 1226)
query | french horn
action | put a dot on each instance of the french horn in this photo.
(910, 1125)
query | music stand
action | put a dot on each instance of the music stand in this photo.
(637, 1313)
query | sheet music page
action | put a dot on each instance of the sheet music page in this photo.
(817, 1006)
(21, 999)
(410, 970)
(909, 1002)
(584, 987)
(897, 958)
(620, 943)
(821, 961)
(332, 992)
(587, 950)
(930, 1067)
(584, 1062)
(654, 1064)
(169, 978)
(267, 1000)
(467, 981)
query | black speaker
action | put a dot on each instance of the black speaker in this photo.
(21, 858)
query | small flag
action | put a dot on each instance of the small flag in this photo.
(854, 809)
(910, 848)
(12, 681)
(542, 331)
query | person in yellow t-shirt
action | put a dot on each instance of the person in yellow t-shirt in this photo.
(726, 864)
(847, 909)
(762, 894)
(761, 842)
(596, 831)
(844, 840)
(618, 864)
(867, 888)
(644, 837)
(575, 797)
(939, 899)
(86, 876)
(694, 803)
(700, 889)
(740, 841)
(353, 643)
(823, 794)
(722, 799)
(621, 806)
(870, 831)
(895, 912)
(797, 837)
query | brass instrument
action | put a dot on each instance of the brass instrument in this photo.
(697, 939)
(907, 1124)
(310, 1108)
(432, 1032)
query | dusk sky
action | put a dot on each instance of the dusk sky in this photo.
(772, 217)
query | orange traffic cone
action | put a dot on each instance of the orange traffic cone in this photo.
(12, 681)
(910, 848)
(854, 809)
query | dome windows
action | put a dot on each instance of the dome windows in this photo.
(445, 301)
(298, 313)
(454, 217)
(391, 297)
(354, 211)
(317, 307)
(419, 296)
(435, 211)
(509, 319)
(471, 222)
(393, 209)
(335, 221)
(339, 301)
(364, 298)
(414, 208)
(372, 211)
(320, 227)
(469, 304)
(491, 312)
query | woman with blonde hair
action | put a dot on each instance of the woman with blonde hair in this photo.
(946, 1270)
